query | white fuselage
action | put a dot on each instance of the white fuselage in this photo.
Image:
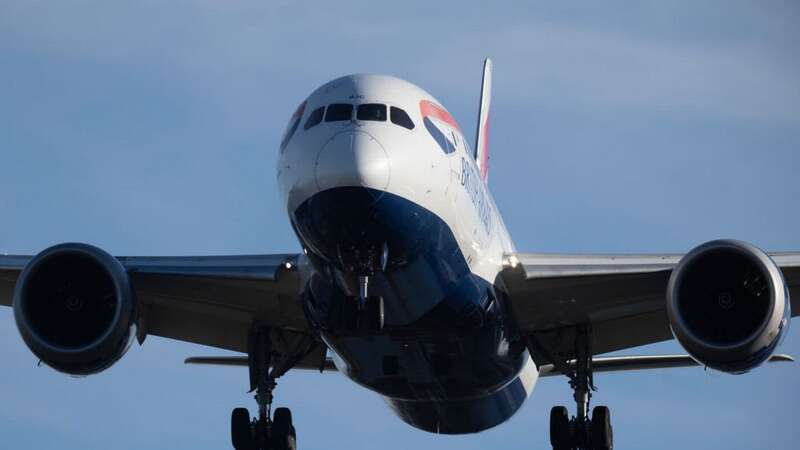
(427, 168)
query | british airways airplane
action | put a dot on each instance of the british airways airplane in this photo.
(408, 284)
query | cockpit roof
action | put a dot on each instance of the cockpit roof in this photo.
(367, 88)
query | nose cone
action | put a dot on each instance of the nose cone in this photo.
(351, 227)
(352, 158)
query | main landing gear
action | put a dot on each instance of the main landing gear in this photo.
(580, 431)
(262, 432)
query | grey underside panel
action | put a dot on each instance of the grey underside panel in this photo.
(209, 300)
(622, 297)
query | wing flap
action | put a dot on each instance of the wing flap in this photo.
(646, 362)
(587, 294)
(217, 311)
(218, 330)
(789, 262)
(8, 279)
(312, 362)
(10, 268)
(217, 304)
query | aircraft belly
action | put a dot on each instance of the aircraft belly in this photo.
(470, 415)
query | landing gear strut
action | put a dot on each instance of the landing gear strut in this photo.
(262, 432)
(580, 431)
(369, 310)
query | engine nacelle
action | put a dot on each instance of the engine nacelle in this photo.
(75, 308)
(728, 305)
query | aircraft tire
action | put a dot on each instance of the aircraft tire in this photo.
(601, 432)
(241, 433)
(283, 432)
(560, 436)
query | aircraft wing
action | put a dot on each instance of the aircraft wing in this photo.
(209, 300)
(621, 297)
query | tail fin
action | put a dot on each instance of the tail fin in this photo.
(482, 134)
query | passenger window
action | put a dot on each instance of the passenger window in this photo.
(292, 126)
(338, 112)
(371, 111)
(314, 118)
(399, 117)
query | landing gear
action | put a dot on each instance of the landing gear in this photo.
(362, 315)
(370, 315)
(241, 430)
(283, 436)
(560, 431)
(579, 432)
(370, 308)
(569, 434)
(275, 434)
(600, 428)
(262, 432)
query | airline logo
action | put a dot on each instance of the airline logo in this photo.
(437, 121)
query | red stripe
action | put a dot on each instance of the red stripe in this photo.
(429, 109)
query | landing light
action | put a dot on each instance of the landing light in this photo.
(512, 261)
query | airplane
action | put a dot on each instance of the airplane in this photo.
(408, 284)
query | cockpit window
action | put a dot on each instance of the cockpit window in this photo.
(371, 111)
(339, 111)
(292, 126)
(314, 118)
(400, 117)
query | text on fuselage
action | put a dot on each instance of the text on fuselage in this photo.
(473, 184)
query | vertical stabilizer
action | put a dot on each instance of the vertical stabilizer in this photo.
(482, 135)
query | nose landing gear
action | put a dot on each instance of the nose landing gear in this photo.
(262, 432)
(361, 315)
(369, 308)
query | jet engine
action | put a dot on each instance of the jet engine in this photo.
(75, 308)
(728, 305)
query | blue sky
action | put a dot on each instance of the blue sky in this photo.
(152, 128)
